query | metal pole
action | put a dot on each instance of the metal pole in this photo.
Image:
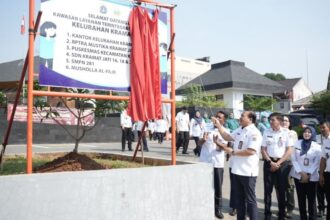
(173, 89)
(20, 85)
(30, 89)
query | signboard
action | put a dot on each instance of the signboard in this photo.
(86, 44)
(66, 117)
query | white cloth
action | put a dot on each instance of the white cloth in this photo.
(139, 126)
(151, 126)
(293, 135)
(125, 120)
(196, 129)
(308, 163)
(210, 153)
(244, 138)
(161, 126)
(182, 121)
(320, 139)
(326, 154)
(276, 142)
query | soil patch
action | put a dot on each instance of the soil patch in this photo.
(70, 162)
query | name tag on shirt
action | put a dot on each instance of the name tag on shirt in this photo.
(240, 145)
(306, 162)
(280, 142)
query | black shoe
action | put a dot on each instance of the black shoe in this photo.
(122, 150)
(195, 152)
(130, 149)
(147, 150)
(233, 212)
(288, 214)
(320, 213)
(185, 153)
(268, 217)
(219, 214)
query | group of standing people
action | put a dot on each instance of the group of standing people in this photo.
(288, 162)
(195, 127)
(156, 129)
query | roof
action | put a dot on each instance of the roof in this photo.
(234, 74)
(307, 100)
(10, 72)
(289, 83)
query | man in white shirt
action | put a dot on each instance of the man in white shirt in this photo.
(212, 152)
(182, 126)
(325, 169)
(126, 127)
(245, 162)
(276, 150)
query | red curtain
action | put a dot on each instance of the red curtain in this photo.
(145, 97)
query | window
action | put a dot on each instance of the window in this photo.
(219, 97)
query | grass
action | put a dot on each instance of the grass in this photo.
(16, 164)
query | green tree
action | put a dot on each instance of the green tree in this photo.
(84, 108)
(3, 99)
(321, 103)
(258, 103)
(275, 76)
(194, 95)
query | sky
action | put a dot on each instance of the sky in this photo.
(291, 37)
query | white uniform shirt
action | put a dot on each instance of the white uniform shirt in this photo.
(210, 152)
(125, 120)
(326, 154)
(320, 139)
(182, 121)
(151, 126)
(276, 142)
(293, 135)
(248, 137)
(308, 163)
(139, 126)
(196, 129)
(161, 126)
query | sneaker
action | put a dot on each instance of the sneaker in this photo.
(233, 212)
(320, 213)
(219, 214)
(288, 214)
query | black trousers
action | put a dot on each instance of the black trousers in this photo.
(320, 192)
(289, 193)
(306, 191)
(232, 192)
(327, 191)
(279, 179)
(245, 196)
(218, 180)
(198, 148)
(126, 136)
(144, 140)
(160, 136)
(182, 140)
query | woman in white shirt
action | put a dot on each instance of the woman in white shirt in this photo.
(306, 160)
(197, 125)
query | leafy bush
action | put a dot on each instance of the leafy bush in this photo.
(3, 99)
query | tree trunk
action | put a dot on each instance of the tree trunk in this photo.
(75, 149)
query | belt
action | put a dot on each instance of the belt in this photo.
(274, 159)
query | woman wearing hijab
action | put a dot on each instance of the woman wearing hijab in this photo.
(306, 160)
(196, 128)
